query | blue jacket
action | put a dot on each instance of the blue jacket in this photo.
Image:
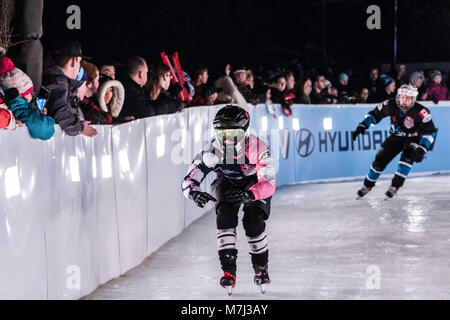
(39, 126)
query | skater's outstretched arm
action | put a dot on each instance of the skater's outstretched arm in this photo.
(372, 118)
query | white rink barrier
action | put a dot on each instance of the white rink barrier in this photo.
(77, 212)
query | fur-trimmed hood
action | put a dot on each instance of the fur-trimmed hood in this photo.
(115, 105)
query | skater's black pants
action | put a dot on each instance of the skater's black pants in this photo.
(390, 148)
(255, 214)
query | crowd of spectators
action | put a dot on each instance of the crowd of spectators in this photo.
(81, 94)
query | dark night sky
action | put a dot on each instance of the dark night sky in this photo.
(253, 32)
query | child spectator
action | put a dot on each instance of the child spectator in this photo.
(436, 91)
(39, 125)
(416, 79)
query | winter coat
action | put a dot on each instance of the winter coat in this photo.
(248, 94)
(92, 112)
(166, 103)
(59, 104)
(114, 106)
(230, 89)
(436, 92)
(136, 103)
(39, 126)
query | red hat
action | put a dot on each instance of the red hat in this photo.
(6, 65)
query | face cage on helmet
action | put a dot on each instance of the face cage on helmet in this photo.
(406, 92)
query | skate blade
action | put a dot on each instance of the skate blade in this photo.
(263, 288)
(229, 289)
(358, 198)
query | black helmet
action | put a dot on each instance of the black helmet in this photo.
(230, 126)
(231, 117)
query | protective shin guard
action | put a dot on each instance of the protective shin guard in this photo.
(400, 176)
(259, 250)
(226, 243)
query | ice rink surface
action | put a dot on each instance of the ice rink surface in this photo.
(323, 244)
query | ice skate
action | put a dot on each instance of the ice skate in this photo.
(362, 192)
(262, 278)
(391, 192)
(228, 281)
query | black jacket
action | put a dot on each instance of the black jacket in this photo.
(166, 103)
(59, 103)
(136, 103)
(416, 123)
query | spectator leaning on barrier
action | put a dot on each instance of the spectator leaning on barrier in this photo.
(436, 91)
(110, 97)
(163, 95)
(134, 77)
(302, 91)
(61, 68)
(18, 99)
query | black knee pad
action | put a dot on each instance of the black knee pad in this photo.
(226, 216)
(253, 222)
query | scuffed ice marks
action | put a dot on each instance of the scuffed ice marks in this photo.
(323, 245)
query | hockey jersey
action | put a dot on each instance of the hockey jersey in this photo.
(416, 122)
(254, 162)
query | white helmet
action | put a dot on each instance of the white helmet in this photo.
(406, 90)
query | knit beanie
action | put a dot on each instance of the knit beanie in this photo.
(435, 73)
(387, 81)
(343, 76)
(18, 79)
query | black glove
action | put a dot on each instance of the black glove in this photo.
(238, 196)
(359, 130)
(201, 198)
